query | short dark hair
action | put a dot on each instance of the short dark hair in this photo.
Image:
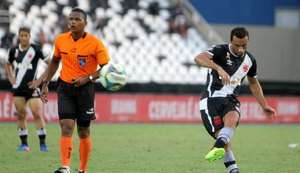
(76, 9)
(239, 32)
(24, 29)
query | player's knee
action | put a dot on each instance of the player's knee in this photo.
(21, 118)
(83, 132)
(37, 115)
(67, 130)
(231, 119)
(21, 115)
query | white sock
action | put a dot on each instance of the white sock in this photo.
(23, 132)
(229, 161)
(41, 131)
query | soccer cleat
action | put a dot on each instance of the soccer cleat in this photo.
(215, 154)
(44, 147)
(62, 170)
(79, 171)
(23, 147)
(234, 171)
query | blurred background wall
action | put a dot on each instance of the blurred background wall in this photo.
(274, 27)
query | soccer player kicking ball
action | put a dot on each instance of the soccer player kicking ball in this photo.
(228, 65)
(80, 53)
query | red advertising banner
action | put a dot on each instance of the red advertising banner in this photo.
(145, 108)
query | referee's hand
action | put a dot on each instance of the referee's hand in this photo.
(80, 81)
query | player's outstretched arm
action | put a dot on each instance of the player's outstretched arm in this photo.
(258, 94)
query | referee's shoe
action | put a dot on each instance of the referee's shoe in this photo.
(62, 170)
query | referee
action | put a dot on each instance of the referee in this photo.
(80, 54)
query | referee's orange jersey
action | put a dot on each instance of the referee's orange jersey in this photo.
(81, 57)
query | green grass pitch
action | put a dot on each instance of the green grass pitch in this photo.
(156, 148)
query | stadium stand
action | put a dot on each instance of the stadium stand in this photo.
(136, 38)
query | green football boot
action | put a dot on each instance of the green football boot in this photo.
(215, 154)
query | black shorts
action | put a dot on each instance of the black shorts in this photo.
(27, 93)
(76, 102)
(214, 109)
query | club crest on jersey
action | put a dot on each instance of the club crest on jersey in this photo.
(217, 120)
(82, 61)
(245, 68)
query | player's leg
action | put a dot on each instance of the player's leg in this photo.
(223, 136)
(66, 111)
(21, 105)
(216, 153)
(85, 143)
(85, 101)
(36, 107)
(212, 120)
(229, 160)
(230, 121)
(66, 145)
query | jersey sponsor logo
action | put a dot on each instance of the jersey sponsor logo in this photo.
(24, 66)
(30, 56)
(235, 81)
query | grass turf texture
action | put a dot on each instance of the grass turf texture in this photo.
(156, 148)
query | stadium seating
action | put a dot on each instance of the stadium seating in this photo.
(135, 39)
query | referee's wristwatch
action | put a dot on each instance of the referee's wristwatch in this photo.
(91, 78)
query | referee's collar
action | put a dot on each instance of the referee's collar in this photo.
(83, 36)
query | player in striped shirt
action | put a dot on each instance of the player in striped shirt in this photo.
(228, 65)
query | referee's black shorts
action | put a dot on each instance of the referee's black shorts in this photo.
(76, 102)
(213, 110)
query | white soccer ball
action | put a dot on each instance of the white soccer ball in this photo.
(113, 77)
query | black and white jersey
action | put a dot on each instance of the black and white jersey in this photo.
(26, 62)
(236, 67)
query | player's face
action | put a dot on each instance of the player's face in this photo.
(239, 45)
(24, 38)
(76, 22)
